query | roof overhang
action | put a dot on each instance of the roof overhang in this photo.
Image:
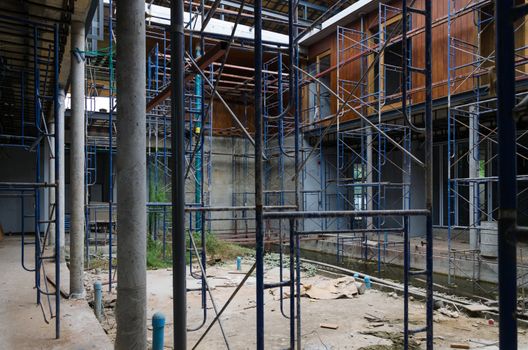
(343, 18)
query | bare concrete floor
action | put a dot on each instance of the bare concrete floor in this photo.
(22, 324)
(348, 314)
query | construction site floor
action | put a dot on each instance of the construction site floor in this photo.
(22, 322)
(371, 321)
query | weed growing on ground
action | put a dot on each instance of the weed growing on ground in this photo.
(217, 250)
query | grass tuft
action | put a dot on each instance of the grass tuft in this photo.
(217, 250)
(155, 258)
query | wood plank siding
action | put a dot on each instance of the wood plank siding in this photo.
(463, 35)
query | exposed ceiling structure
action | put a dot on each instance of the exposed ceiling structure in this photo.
(22, 20)
(20, 23)
(275, 13)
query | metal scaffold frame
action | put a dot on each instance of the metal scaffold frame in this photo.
(40, 134)
(100, 136)
(296, 217)
(313, 174)
(510, 232)
(349, 185)
(261, 215)
(362, 152)
(474, 187)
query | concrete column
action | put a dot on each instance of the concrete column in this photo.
(60, 130)
(474, 143)
(131, 312)
(77, 162)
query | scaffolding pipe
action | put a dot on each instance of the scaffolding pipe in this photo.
(198, 169)
(110, 142)
(58, 164)
(429, 170)
(59, 155)
(507, 171)
(178, 180)
(51, 177)
(344, 213)
(259, 223)
(294, 84)
(77, 162)
(131, 310)
(474, 159)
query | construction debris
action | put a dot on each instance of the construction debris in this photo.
(445, 311)
(329, 326)
(344, 287)
(395, 337)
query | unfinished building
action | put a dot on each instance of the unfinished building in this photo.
(348, 152)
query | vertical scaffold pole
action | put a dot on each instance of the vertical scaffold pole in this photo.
(36, 88)
(429, 168)
(110, 143)
(505, 67)
(259, 224)
(57, 180)
(178, 175)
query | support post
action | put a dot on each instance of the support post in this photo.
(56, 127)
(179, 291)
(59, 155)
(131, 310)
(59, 161)
(199, 132)
(429, 169)
(50, 200)
(259, 223)
(370, 172)
(473, 163)
(77, 162)
(506, 129)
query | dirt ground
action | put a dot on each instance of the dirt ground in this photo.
(372, 321)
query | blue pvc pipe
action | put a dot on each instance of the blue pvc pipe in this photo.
(239, 263)
(98, 299)
(158, 327)
(367, 281)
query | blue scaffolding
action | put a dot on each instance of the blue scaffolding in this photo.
(38, 104)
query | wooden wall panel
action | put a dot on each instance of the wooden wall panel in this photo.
(223, 122)
(327, 44)
(463, 29)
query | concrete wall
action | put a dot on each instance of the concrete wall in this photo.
(318, 191)
(231, 183)
(17, 166)
(417, 224)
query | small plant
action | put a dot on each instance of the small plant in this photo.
(155, 258)
(215, 248)
(219, 249)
